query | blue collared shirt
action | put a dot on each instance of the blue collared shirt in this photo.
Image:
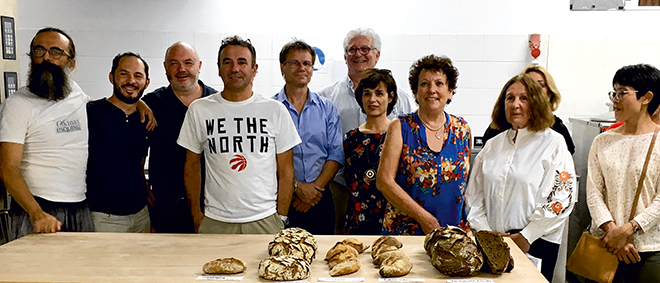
(320, 130)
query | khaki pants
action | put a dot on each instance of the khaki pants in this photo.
(269, 225)
(132, 223)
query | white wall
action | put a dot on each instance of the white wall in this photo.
(486, 39)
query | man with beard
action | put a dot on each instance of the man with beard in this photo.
(43, 142)
(117, 191)
(361, 52)
(247, 142)
(170, 212)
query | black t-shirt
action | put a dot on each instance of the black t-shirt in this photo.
(117, 144)
(166, 157)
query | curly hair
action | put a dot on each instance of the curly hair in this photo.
(370, 79)
(540, 109)
(435, 63)
(553, 91)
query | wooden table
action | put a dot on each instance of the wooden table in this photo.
(108, 257)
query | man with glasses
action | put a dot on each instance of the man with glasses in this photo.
(361, 51)
(43, 142)
(319, 156)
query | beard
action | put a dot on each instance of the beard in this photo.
(49, 81)
(128, 100)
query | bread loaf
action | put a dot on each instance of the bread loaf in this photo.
(284, 268)
(296, 242)
(224, 266)
(396, 264)
(383, 256)
(347, 266)
(384, 244)
(454, 253)
(496, 252)
(358, 245)
(339, 253)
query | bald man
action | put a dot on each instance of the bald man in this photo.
(170, 212)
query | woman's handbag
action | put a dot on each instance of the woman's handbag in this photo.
(591, 260)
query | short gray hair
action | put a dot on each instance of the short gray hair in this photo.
(375, 39)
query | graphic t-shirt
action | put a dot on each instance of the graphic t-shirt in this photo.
(240, 141)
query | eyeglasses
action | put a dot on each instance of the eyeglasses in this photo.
(55, 52)
(364, 50)
(307, 64)
(619, 94)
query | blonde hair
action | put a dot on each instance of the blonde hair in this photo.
(553, 91)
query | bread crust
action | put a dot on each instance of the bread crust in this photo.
(228, 265)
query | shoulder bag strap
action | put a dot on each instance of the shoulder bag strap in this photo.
(641, 179)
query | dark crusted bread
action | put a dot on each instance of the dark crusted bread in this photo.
(224, 266)
(284, 268)
(496, 251)
(454, 253)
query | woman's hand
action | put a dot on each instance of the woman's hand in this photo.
(616, 237)
(629, 253)
(521, 242)
(429, 224)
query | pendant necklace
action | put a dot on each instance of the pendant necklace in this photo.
(431, 129)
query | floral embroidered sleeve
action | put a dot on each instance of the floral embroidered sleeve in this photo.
(556, 196)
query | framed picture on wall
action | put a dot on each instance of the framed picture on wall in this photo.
(8, 38)
(11, 83)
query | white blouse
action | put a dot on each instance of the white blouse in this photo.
(615, 166)
(527, 185)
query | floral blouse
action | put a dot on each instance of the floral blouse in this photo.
(435, 180)
(366, 204)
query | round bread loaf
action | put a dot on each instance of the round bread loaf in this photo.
(224, 266)
(454, 253)
(296, 242)
(284, 268)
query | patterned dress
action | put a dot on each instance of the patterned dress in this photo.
(435, 180)
(366, 204)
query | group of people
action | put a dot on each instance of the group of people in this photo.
(238, 162)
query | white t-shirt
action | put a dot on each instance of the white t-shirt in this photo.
(528, 185)
(240, 141)
(54, 136)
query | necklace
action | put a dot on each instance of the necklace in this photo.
(370, 174)
(431, 129)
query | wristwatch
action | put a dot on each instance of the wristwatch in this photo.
(285, 219)
(295, 185)
(635, 226)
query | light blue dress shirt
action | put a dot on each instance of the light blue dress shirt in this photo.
(319, 128)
